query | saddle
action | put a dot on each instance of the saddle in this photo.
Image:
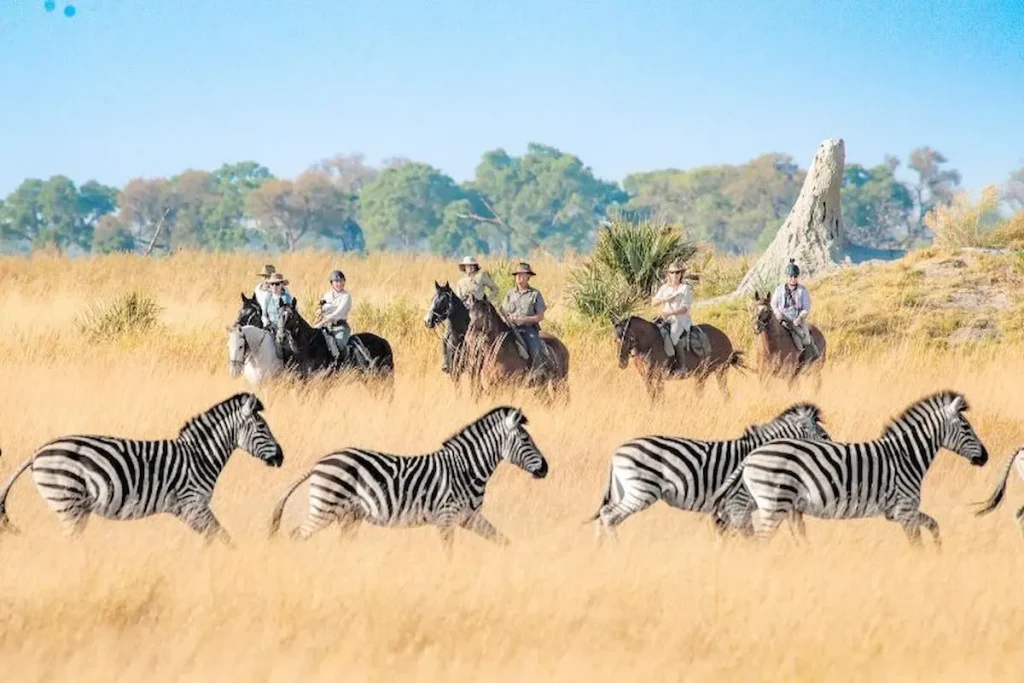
(353, 349)
(696, 341)
(807, 348)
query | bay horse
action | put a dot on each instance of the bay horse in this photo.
(446, 306)
(311, 356)
(777, 355)
(492, 357)
(642, 340)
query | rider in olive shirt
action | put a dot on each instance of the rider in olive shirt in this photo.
(524, 307)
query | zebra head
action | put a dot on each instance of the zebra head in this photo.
(518, 447)
(254, 435)
(799, 421)
(956, 433)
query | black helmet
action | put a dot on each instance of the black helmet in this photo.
(792, 270)
(337, 275)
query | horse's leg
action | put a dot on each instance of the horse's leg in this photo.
(723, 382)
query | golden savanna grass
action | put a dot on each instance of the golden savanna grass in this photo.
(146, 600)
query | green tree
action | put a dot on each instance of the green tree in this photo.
(935, 186)
(876, 206)
(225, 223)
(112, 236)
(148, 208)
(405, 206)
(55, 213)
(1013, 191)
(287, 212)
(544, 198)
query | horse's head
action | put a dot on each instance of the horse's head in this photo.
(483, 317)
(289, 323)
(250, 312)
(237, 348)
(626, 336)
(762, 312)
(440, 305)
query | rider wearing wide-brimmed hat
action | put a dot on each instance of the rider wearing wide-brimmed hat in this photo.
(676, 299)
(475, 283)
(278, 296)
(262, 289)
(524, 308)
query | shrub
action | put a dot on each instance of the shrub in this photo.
(625, 267)
(963, 224)
(130, 313)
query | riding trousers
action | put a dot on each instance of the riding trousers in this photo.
(531, 336)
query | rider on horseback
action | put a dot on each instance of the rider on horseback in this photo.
(791, 304)
(276, 297)
(334, 309)
(475, 283)
(676, 299)
(524, 308)
(262, 289)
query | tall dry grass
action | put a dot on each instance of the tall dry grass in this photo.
(146, 600)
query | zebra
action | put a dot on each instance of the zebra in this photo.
(444, 488)
(685, 472)
(833, 480)
(997, 496)
(120, 479)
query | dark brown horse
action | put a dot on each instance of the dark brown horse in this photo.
(492, 357)
(777, 355)
(642, 339)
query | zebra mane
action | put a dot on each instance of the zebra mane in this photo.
(229, 405)
(500, 411)
(801, 408)
(938, 400)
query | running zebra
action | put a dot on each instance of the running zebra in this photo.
(685, 472)
(997, 496)
(444, 488)
(833, 480)
(118, 478)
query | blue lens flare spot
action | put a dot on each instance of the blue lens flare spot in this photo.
(69, 11)
(49, 5)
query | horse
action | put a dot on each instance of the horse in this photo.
(253, 352)
(777, 355)
(311, 355)
(250, 313)
(642, 339)
(492, 356)
(447, 306)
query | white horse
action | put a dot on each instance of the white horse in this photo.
(252, 351)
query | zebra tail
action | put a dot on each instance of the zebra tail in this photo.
(5, 523)
(275, 519)
(722, 492)
(604, 501)
(997, 496)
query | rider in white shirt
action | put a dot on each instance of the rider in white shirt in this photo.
(335, 306)
(676, 298)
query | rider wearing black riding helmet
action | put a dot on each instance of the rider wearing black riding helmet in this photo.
(791, 303)
(335, 305)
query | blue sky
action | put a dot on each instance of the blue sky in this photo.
(131, 88)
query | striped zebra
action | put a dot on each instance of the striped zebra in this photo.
(997, 496)
(444, 488)
(833, 480)
(116, 478)
(685, 472)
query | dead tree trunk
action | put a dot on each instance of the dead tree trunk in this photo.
(812, 233)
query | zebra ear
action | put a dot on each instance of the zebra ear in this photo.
(956, 407)
(514, 419)
(252, 405)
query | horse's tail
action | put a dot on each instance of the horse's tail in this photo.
(997, 496)
(737, 361)
(275, 518)
(5, 523)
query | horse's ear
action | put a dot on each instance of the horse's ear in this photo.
(446, 285)
(436, 286)
(757, 295)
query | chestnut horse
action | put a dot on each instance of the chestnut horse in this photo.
(777, 355)
(491, 356)
(642, 339)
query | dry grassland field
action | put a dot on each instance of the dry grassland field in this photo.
(146, 600)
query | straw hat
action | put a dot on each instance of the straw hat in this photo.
(676, 266)
(268, 270)
(523, 267)
(276, 278)
(468, 261)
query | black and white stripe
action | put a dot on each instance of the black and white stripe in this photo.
(444, 488)
(833, 480)
(117, 478)
(1000, 491)
(686, 472)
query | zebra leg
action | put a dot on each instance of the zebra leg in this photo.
(614, 514)
(447, 532)
(931, 525)
(912, 527)
(796, 525)
(205, 523)
(1020, 518)
(766, 522)
(479, 525)
(73, 521)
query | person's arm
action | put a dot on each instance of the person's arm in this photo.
(685, 301)
(805, 305)
(488, 283)
(660, 296)
(777, 301)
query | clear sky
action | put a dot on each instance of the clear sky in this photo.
(130, 88)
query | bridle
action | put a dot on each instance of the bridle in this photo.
(760, 321)
(437, 316)
(627, 338)
(246, 350)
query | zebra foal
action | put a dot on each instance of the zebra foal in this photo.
(997, 495)
(832, 480)
(686, 472)
(444, 488)
(117, 478)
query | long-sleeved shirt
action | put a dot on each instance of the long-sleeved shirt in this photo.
(336, 308)
(272, 305)
(476, 285)
(790, 303)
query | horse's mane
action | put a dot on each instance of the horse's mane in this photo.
(939, 399)
(492, 314)
(228, 405)
(500, 411)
